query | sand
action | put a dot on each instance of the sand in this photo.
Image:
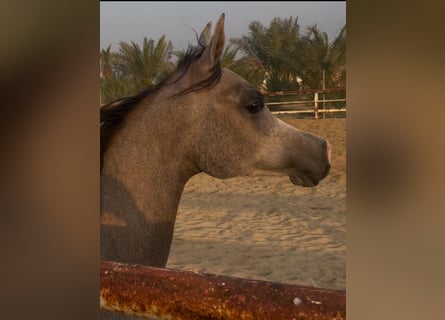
(265, 227)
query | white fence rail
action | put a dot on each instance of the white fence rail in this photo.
(316, 110)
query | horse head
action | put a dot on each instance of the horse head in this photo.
(230, 131)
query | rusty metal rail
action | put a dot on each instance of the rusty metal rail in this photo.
(172, 294)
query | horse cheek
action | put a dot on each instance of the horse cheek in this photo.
(222, 155)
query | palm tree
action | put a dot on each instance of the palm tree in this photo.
(338, 49)
(147, 65)
(228, 59)
(287, 56)
(105, 62)
(112, 86)
(277, 48)
(134, 68)
(319, 56)
(250, 68)
(254, 43)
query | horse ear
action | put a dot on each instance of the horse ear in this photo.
(215, 48)
(204, 38)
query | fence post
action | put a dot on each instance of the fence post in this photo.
(316, 105)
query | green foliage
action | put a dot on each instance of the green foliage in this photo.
(134, 68)
(271, 58)
(250, 68)
(317, 54)
(276, 47)
(288, 56)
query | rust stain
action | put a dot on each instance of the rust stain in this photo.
(171, 294)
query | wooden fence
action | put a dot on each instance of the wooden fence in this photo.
(318, 106)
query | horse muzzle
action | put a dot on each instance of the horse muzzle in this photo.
(311, 178)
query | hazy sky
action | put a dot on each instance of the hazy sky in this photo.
(132, 21)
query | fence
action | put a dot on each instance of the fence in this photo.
(292, 107)
(155, 293)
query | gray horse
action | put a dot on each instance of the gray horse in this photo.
(202, 118)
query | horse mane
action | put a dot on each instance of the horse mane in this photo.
(113, 114)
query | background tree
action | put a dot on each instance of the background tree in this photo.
(287, 56)
(147, 65)
(112, 85)
(318, 55)
(134, 68)
(250, 68)
(105, 62)
(276, 47)
(272, 58)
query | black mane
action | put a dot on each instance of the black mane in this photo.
(113, 114)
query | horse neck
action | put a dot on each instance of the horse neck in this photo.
(142, 180)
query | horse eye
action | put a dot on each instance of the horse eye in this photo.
(255, 107)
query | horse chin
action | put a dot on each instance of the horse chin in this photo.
(304, 181)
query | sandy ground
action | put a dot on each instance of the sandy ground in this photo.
(265, 227)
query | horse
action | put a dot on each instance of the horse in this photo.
(201, 118)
